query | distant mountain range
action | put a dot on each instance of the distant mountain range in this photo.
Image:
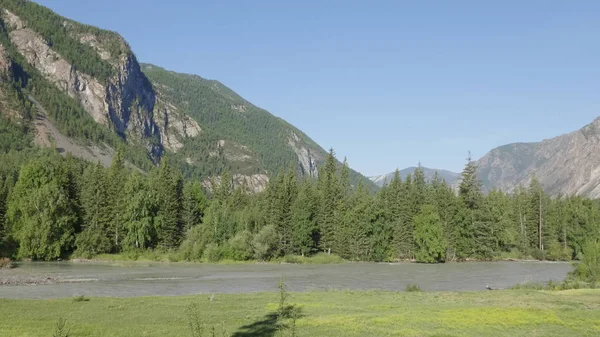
(568, 164)
(450, 177)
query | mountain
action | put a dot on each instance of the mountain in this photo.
(568, 164)
(449, 177)
(81, 90)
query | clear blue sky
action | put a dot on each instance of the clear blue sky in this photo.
(386, 83)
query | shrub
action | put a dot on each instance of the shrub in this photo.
(265, 243)
(557, 252)
(212, 253)
(240, 247)
(6, 263)
(588, 269)
(80, 298)
(60, 330)
(192, 247)
(412, 288)
(538, 254)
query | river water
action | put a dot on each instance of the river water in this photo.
(104, 279)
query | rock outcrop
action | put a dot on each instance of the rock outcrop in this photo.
(307, 160)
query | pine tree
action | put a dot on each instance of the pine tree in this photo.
(360, 218)
(96, 224)
(167, 222)
(446, 203)
(536, 224)
(116, 203)
(429, 236)
(471, 196)
(194, 205)
(304, 220)
(341, 208)
(329, 188)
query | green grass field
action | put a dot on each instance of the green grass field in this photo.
(333, 313)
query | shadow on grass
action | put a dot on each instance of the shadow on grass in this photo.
(268, 325)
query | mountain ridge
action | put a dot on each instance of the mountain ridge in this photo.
(95, 91)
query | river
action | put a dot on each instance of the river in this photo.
(65, 279)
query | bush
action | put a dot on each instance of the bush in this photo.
(6, 263)
(212, 253)
(80, 298)
(537, 254)
(240, 247)
(588, 269)
(557, 252)
(413, 288)
(192, 247)
(265, 243)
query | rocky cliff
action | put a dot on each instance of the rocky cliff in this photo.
(567, 164)
(125, 102)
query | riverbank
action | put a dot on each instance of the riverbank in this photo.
(328, 313)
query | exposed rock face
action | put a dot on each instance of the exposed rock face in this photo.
(5, 63)
(567, 164)
(127, 103)
(308, 162)
(254, 183)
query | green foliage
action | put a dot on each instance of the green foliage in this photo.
(41, 215)
(429, 236)
(588, 269)
(413, 288)
(265, 243)
(60, 329)
(80, 298)
(226, 114)
(62, 34)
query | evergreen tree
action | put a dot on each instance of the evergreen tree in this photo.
(471, 196)
(96, 222)
(429, 236)
(329, 188)
(341, 208)
(304, 220)
(116, 203)
(359, 219)
(167, 221)
(194, 205)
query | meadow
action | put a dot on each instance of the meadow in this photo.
(328, 313)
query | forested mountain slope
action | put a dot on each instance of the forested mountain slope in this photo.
(69, 81)
(568, 164)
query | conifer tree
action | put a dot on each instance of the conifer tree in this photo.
(116, 202)
(96, 218)
(167, 222)
(471, 196)
(304, 220)
(429, 236)
(194, 204)
(341, 208)
(329, 188)
(360, 218)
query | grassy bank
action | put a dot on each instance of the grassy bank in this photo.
(336, 313)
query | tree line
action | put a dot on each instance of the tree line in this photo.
(55, 207)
